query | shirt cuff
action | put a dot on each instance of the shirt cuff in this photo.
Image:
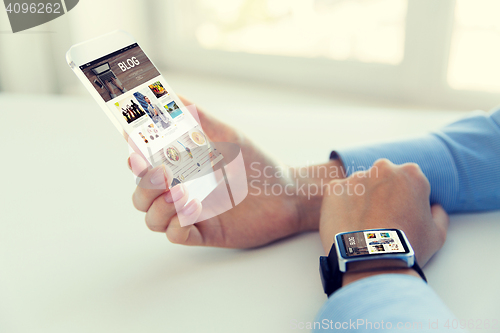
(429, 152)
(388, 300)
(495, 116)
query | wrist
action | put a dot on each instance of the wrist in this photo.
(310, 181)
(350, 277)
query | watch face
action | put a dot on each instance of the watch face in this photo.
(370, 242)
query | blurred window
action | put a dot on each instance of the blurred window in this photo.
(421, 51)
(360, 30)
(475, 50)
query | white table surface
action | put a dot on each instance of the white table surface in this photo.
(76, 257)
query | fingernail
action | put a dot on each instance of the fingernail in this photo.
(176, 193)
(158, 177)
(190, 208)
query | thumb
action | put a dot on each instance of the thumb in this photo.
(442, 220)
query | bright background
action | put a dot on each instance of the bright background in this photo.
(422, 53)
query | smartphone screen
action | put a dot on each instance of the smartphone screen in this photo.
(140, 99)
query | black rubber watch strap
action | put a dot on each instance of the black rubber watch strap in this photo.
(417, 268)
(331, 276)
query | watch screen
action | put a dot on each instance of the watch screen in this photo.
(372, 242)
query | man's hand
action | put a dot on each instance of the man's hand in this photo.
(262, 217)
(386, 196)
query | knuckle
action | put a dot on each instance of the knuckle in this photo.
(150, 223)
(136, 202)
(174, 236)
(413, 171)
(382, 166)
(382, 163)
(412, 168)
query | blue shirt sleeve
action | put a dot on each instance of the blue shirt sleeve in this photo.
(386, 303)
(461, 161)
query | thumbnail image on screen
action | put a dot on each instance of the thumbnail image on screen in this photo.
(372, 242)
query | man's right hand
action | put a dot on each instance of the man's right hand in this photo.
(259, 219)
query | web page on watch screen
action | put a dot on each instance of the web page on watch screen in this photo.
(372, 242)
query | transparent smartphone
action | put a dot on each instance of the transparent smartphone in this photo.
(145, 109)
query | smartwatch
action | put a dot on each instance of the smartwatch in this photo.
(366, 250)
